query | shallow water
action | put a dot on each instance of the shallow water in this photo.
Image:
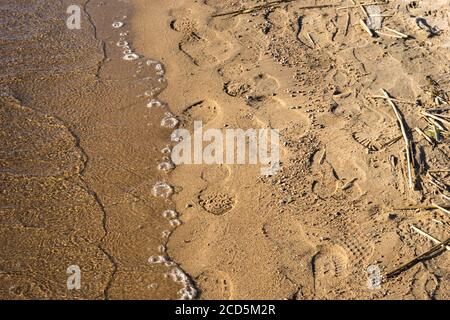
(80, 156)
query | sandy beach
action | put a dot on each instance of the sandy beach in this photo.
(358, 95)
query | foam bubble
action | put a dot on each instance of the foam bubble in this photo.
(157, 260)
(154, 103)
(166, 150)
(178, 275)
(160, 68)
(162, 190)
(162, 249)
(188, 292)
(154, 91)
(170, 214)
(117, 24)
(176, 137)
(169, 121)
(128, 51)
(175, 223)
(130, 57)
(166, 166)
(151, 62)
(166, 234)
(122, 44)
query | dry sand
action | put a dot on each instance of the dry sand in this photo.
(81, 151)
(298, 234)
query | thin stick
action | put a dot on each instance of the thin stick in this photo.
(311, 39)
(364, 11)
(425, 136)
(439, 170)
(397, 32)
(390, 143)
(376, 15)
(436, 250)
(322, 157)
(435, 117)
(388, 35)
(270, 5)
(441, 208)
(433, 122)
(347, 22)
(366, 28)
(436, 183)
(405, 137)
(438, 109)
(423, 233)
(349, 184)
(421, 208)
(445, 197)
(362, 4)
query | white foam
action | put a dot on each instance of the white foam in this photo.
(154, 103)
(170, 214)
(162, 80)
(169, 121)
(151, 62)
(176, 137)
(166, 166)
(166, 234)
(188, 292)
(157, 260)
(130, 57)
(122, 44)
(162, 190)
(175, 223)
(118, 24)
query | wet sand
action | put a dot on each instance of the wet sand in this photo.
(79, 160)
(81, 151)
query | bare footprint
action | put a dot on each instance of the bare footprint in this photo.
(214, 285)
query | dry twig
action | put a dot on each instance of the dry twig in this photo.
(405, 138)
(433, 252)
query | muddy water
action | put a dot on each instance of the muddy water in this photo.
(79, 155)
